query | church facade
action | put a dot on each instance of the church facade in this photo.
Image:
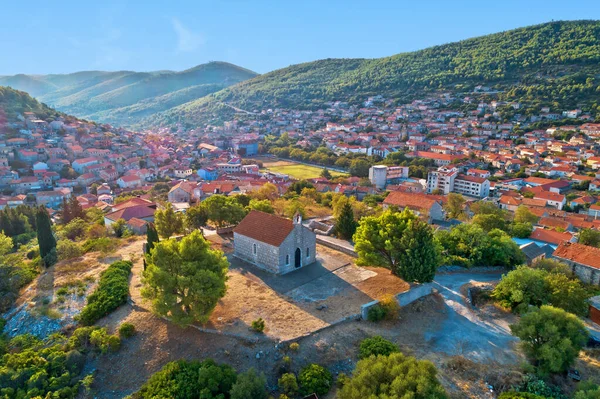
(275, 244)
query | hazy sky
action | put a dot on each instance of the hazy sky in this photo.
(41, 36)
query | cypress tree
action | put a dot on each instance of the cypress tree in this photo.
(151, 237)
(65, 211)
(46, 239)
(345, 223)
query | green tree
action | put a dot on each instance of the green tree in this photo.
(120, 228)
(224, 210)
(393, 376)
(521, 230)
(185, 279)
(261, 205)
(315, 379)
(455, 206)
(398, 241)
(524, 215)
(490, 221)
(168, 222)
(345, 225)
(46, 240)
(298, 186)
(589, 237)
(523, 286)
(526, 286)
(196, 217)
(326, 174)
(551, 338)
(567, 294)
(6, 244)
(151, 238)
(250, 385)
(359, 168)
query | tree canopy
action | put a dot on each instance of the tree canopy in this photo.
(551, 338)
(398, 241)
(185, 279)
(393, 376)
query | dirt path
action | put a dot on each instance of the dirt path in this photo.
(466, 331)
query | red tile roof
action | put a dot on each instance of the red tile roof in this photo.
(550, 236)
(264, 227)
(579, 253)
(411, 200)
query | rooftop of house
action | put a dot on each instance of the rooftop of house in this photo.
(579, 253)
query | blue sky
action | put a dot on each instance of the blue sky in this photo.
(67, 36)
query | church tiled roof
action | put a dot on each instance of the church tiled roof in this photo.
(264, 227)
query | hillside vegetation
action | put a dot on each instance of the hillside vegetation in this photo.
(553, 63)
(123, 97)
(14, 102)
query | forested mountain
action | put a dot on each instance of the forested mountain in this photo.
(123, 97)
(555, 63)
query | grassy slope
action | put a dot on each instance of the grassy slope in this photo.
(538, 55)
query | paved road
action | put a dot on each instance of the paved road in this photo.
(464, 331)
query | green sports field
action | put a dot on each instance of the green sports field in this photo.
(296, 170)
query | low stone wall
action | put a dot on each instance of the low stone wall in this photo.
(337, 247)
(415, 292)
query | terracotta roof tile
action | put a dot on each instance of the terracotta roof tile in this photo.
(579, 253)
(550, 236)
(410, 200)
(264, 227)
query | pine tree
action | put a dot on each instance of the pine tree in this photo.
(46, 240)
(326, 174)
(420, 257)
(151, 237)
(345, 223)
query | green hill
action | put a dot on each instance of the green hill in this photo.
(555, 63)
(109, 96)
(15, 102)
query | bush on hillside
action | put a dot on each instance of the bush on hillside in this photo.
(376, 346)
(111, 293)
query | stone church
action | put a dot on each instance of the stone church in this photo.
(273, 243)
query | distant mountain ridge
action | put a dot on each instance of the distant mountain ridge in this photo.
(556, 63)
(124, 97)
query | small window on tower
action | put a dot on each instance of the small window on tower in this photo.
(254, 249)
(307, 252)
(287, 259)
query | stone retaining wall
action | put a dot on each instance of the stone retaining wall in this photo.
(415, 292)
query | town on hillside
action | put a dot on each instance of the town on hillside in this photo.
(332, 253)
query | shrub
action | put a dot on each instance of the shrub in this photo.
(102, 244)
(68, 249)
(51, 258)
(258, 325)
(294, 346)
(376, 313)
(376, 346)
(390, 306)
(519, 395)
(96, 231)
(75, 229)
(393, 376)
(288, 384)
(183, 379)
(126, 330)
(111, 293)
(315, 379)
